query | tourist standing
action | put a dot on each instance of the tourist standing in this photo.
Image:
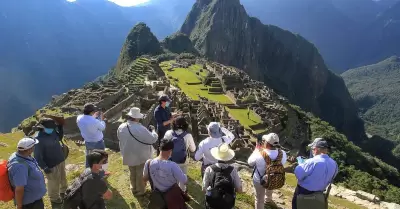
(183, 142)
(93, 188)
(135, 143)
(221, 181)
(267, 151)
(91, 125)
(26, 178)
(50, 157)
(164, 175)
(163, 117)
(215, 132)
(313, 177)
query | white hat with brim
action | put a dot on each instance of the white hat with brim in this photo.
(135, 113)
(222, 152)
(315, 141)
(26, 143)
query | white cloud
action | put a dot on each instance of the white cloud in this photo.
(125, 3)
(129, 3)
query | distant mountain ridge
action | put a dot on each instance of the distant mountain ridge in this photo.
(376, 90)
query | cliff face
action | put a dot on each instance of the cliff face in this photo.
(178, 43)
(222, 31)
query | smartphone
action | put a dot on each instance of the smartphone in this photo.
(300, 160)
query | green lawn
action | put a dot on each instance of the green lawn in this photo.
(185, 75)
(241, 115)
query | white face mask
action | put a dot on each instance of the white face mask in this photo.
(104, 167)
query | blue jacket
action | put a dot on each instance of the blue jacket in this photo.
(48, 152)
(161, 115)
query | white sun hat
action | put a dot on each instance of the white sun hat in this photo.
(222, 152)
(26, 143)
(134, 112)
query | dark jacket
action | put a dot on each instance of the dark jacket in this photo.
(161, 115)
(48, 153)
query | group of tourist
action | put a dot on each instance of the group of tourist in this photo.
(173, 145)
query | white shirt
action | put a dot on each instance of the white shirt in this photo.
(205, 146)
(189, 142)
(133, 152)
(256, 159)
(91, 128)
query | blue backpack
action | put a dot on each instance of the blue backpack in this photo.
(179, 153)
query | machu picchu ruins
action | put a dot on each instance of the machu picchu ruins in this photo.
(141, 83)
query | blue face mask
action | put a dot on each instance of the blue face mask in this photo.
(167, 104)
(48, 130)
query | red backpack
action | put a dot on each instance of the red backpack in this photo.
(6, 191)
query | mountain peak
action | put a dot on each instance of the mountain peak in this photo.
(222, 31)
(140, 41)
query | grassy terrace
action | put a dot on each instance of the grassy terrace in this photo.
(189, 75)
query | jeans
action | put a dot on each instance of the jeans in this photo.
(260, 194)
(38, 204)
(160, 134)
(56, 182)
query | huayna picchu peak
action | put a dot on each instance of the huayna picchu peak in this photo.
(222, 31)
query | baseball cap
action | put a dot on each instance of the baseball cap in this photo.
(215, 130)
(315, 141)
(321, 144)
(90, 107)
(271, 138)
(164, 98)
(46, 123)
(26, 143)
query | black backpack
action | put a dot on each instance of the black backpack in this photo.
(73, 195)
(222, 192)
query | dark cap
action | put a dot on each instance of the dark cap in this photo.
(164, 98)
(46, 123)
(321, 144)
(89, 107)
(180, 123)
(166, 145)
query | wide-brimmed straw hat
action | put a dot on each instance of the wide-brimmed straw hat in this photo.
(223, 152)
(134, 112)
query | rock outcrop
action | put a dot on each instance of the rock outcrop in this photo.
(179, 43)
(140, 41)
(222, 31)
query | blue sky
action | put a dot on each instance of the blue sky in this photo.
(125, 3)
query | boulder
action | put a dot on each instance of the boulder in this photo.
(367, 196)
(387, 205)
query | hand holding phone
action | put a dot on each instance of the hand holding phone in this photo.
(300, 160)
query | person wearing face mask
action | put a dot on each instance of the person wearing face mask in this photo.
(25, 176)
(313, 177)
(163, 118)
(50, 157)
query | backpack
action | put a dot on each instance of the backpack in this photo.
(179, 153)
(6, 189)
(222, 192)
(73, 195)
(274, 177)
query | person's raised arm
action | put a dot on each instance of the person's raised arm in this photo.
(303, 170)
(229, 136)
(101, 125)
(252, 159)
(107, 195)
